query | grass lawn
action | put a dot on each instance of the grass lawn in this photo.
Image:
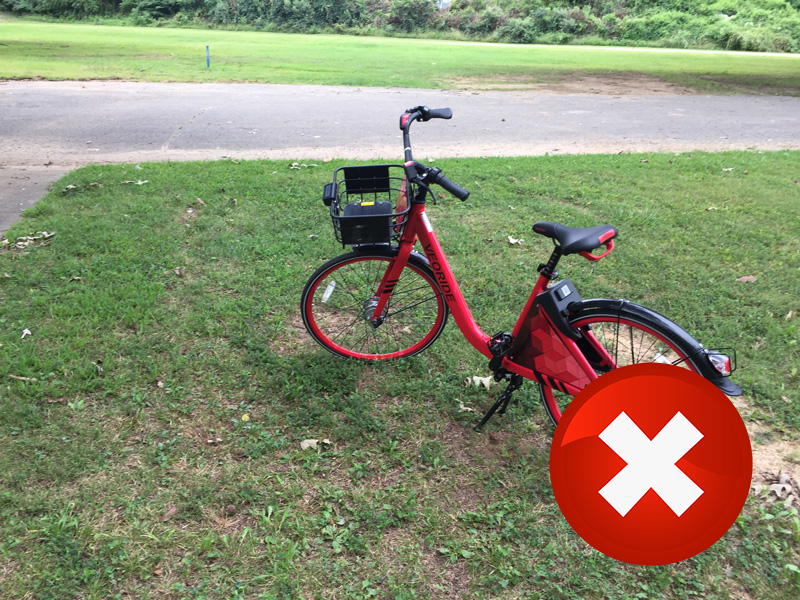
(80, 51)
(151, 420)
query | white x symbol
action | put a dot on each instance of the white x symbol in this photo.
(651, 464)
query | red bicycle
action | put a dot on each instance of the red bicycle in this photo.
(383, 300)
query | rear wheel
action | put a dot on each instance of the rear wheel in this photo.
(628, 339)
(341, 296)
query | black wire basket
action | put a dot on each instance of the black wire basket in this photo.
(367, 205)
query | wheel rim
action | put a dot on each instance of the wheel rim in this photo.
(337, 310)
(628, 343)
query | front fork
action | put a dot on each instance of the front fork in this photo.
(386, 286)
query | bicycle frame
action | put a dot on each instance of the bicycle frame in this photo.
(418, 227)
(553, 341)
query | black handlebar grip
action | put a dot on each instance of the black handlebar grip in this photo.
(440, 113)
(455, 189)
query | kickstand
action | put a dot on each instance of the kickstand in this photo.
(502, 401)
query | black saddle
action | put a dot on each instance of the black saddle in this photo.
(576, 239)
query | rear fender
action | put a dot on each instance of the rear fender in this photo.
(688, 345)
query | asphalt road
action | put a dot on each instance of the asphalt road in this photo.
(49, 128)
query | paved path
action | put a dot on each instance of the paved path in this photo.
(48, 128)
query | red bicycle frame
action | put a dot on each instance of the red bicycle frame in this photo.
(579, 371)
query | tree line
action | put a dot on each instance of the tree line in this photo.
(757, 25)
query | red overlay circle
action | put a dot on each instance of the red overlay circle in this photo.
(675, 409)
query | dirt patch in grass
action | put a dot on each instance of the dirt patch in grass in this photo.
(611, 84)
(458, 440)
(466, 496)
(770, 458)
(294, 336)
(776, 458)
(228, 520)
(448, 581)
(754, 85)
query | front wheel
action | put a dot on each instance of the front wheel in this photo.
(629, 338)
(340, 298)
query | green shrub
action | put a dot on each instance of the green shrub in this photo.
(756, 25)
(518, 31)
(412, 15)
(486, 22)
(610, 26)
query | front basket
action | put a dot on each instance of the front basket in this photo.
(362, 201)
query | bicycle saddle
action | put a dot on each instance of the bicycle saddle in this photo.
(575, 239)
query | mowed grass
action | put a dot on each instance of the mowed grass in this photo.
(151, 419)
(80, 51)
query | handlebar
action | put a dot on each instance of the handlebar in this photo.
(452, 187)
(417, 171)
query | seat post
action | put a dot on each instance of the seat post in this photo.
(549, 270)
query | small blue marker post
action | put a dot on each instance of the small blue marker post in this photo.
(208, 58)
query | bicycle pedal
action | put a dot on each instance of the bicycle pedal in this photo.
(500, 343)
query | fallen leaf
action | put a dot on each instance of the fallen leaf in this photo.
(759, 344)
(25, 332)
(170, 513)
(200, 201)
(781, 490)
(138, 167)
(789, 315)
(514, 179)
(158, 572)
(785, 398)
(475, 380)
(747, 279)
(644, 160)
(245, 417)
(463, 408)
(160, 384)
(327, 442)
(515, 241)
(179, 271)
(305, 444)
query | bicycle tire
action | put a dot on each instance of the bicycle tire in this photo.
(644, 336)
(338, 301)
